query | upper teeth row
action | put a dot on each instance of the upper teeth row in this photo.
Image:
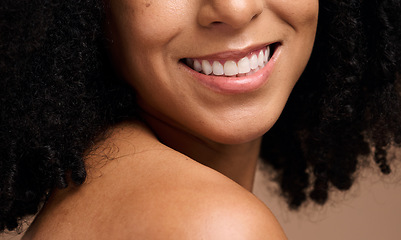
(231, 68)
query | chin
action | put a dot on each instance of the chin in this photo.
(237, 136)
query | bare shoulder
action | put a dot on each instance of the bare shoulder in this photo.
(198, 203)
(192, 201)
(155, 193)
(219, 209)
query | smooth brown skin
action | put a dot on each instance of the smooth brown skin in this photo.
(188, 171)
(149, 191)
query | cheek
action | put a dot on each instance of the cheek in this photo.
(140, 30)
(297, 13)
(147, 22)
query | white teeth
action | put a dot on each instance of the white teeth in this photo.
(206, 67)
(253, 62)
(267, 54)
(230, 68)
(261, 59)
(197, 66)
(218, 68)
(243, 65)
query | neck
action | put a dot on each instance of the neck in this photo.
(238, 162)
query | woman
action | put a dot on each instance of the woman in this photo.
(144, 119)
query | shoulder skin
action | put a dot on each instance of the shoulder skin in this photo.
(154, 193)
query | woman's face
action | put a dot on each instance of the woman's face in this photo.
(200, 66)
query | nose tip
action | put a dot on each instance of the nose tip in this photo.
(233, 13)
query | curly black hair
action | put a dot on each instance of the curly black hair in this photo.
(60, 94)
(346, 105)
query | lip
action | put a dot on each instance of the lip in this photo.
(237, 54)
(236, 85)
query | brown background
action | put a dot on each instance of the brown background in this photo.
(371, 210)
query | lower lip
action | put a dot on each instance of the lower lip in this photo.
(236, 85)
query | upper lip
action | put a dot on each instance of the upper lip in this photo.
(233, 54)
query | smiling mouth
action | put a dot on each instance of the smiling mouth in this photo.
(245, 66)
